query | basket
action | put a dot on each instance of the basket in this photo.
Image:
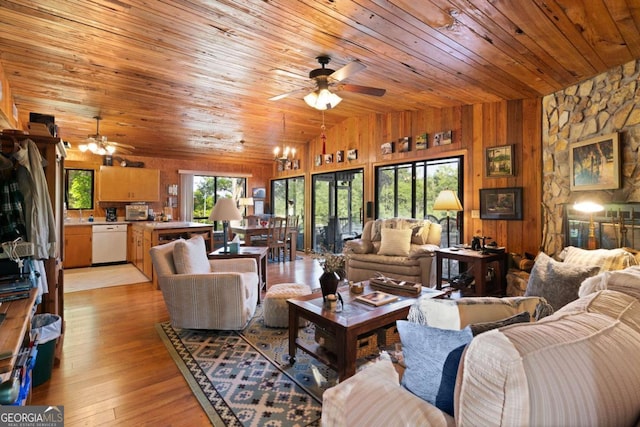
(388, 335)
(365, 346)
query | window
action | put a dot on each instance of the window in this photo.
(408, 190)
(287, 199)
(208, 189)
(78, 188)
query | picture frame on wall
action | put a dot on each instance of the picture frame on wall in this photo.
(386, 148)
(259, 193)
(296, 164)
(499, 161)
(594, 164)
(501, 203)
(352, 154)
(421, 141)
(328, 158)
(442, 138)
(404, 144)
(339, 156)
(318, 160)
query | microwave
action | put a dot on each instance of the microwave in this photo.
(136, 212)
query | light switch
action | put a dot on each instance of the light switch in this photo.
(475, 213)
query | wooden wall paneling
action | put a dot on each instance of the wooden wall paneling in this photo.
(531, 174)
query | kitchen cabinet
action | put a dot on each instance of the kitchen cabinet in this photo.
(137, 248)
(119, 184)
(77, 246)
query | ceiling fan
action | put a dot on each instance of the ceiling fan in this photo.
(322, 98)
(98, 144)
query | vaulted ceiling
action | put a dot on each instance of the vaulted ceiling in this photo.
(183, 78)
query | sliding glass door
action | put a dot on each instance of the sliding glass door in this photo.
(287, 199)
(337, 209)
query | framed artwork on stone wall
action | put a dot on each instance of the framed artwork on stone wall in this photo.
(594, 164)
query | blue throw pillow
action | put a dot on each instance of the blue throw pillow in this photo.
(432, 356)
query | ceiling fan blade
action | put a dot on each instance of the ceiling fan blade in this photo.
(120, 144)
(284, 95)
(348, 70)
(365, 90)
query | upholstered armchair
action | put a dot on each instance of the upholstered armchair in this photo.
(202, 293)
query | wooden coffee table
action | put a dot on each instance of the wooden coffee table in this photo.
(356, 319)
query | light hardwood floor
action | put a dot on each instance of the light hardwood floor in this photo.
(115, 370)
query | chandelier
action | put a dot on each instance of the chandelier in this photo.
(288, 154)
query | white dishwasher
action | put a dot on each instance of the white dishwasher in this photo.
(109, 243)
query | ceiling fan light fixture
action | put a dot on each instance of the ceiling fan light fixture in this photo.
(322, 99)
(110, 149)
(83, 147)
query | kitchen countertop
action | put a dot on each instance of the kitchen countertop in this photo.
(156, 225)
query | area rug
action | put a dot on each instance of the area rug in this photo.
(243, 378)
(83, 279)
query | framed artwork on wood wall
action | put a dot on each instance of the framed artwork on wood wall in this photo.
(594, 164)
(501, 203)
(499, 161)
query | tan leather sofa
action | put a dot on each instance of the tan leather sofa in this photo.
(406, 253)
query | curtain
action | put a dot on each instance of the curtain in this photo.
(186, 197)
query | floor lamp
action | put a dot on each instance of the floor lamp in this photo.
(447, 201)
(225, 210)
(590, 208)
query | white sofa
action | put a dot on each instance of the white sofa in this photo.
(576, 367)
(396, 247)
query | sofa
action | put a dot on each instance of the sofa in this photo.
(400, 248)
(575, 367)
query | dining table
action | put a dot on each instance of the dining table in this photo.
(248, 231)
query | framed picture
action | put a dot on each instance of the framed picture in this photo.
(296, 164)
(328, 158)
(442, 138)
(404, 144)
(501, 203)
(339, 156)
(421, 141)
(594, 164)
(499, 161)
(318, 160)
(258, 207)
(352, 154)
(259, 193)
(386, 148)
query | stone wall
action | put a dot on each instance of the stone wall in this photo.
(607, 103)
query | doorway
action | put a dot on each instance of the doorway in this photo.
(337, 208)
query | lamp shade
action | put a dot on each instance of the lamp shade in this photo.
(322, 99)
(447, 200)
(588, 207)
(225, 210)
(245, 201)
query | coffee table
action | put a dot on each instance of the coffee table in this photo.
(356, 319)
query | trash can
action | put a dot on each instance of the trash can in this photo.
(46, 328)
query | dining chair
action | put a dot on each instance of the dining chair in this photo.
(292, 224)
(276, 230)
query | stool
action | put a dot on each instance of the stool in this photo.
(275, 308)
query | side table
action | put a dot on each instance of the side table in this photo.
(259, 253)
(479, 262)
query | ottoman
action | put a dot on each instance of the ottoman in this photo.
(275, 309)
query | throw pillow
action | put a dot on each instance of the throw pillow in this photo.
(432, 356)
(395, 242)
(190, 256)
(478, 328)
(557, 282)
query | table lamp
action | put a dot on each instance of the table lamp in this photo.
(244, 202)
(590, 208)
(225, 210)
(447, 200)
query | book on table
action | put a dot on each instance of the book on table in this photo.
(377, 298)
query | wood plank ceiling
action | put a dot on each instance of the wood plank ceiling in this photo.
(184, 78)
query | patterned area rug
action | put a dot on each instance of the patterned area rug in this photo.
(243, 378)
